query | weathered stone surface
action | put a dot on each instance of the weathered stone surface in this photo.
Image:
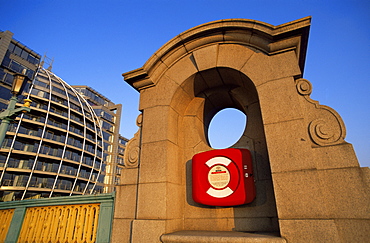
(147, 230)
(160, 124)
(288, 146)
(313, 194)
(216, 224)
(160, 154)
(262, 68)
(152, 201)
(219, 236)
(338, 156)
(121, 230)
(310, 230)
(233, 56)
(350, 230)
(300, 195)
(279, 101)
(150, 97)
(125, 195)
(129, 176)
(308, 182)
(209, 39)
(205, 58)
(346, 195)
(181, 70)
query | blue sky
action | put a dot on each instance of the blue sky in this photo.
(93, 42)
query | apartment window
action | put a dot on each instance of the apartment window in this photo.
(64, 184)
(118, 170)
(2, 74)
(17, 51)
(5, 93)
(120, 160)
(24, 55)
(32, 59)
(11, 47)
(107, 126)
(107, 136)
(40, 83)
(49, 134)
(8, 79)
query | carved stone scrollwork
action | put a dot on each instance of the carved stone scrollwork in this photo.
(325, 126)
(132, 151)
(324, 133)
(304, 87)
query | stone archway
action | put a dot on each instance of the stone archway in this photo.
(258, 69)
(206, 97)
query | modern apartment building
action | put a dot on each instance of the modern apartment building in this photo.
(122, 141)
(57, 149)
(14, 58)
(110, 118)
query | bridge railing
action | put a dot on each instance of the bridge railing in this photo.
(60, 219)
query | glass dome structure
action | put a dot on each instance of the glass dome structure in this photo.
(56, 149)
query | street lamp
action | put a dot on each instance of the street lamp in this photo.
(8, 116)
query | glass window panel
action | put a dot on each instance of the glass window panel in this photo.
(30, 73)
(24, 54)
(17, 51)
(32, 59)
(5, 93)
(11, 47)
(2, 74)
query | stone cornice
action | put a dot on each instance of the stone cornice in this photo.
(261, 36)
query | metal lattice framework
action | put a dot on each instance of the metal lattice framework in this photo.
(57, 148)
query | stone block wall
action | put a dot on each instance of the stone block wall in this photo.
(309, 185)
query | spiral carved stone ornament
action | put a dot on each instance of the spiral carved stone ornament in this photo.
(132, 156)
(132, 151)
(325, 125)
(324, 133)
(304, 87)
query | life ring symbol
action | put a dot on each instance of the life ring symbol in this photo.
(226, 191)
(220, 193)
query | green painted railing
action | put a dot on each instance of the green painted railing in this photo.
(102, 233)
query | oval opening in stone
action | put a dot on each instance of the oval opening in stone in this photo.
(226, 128)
